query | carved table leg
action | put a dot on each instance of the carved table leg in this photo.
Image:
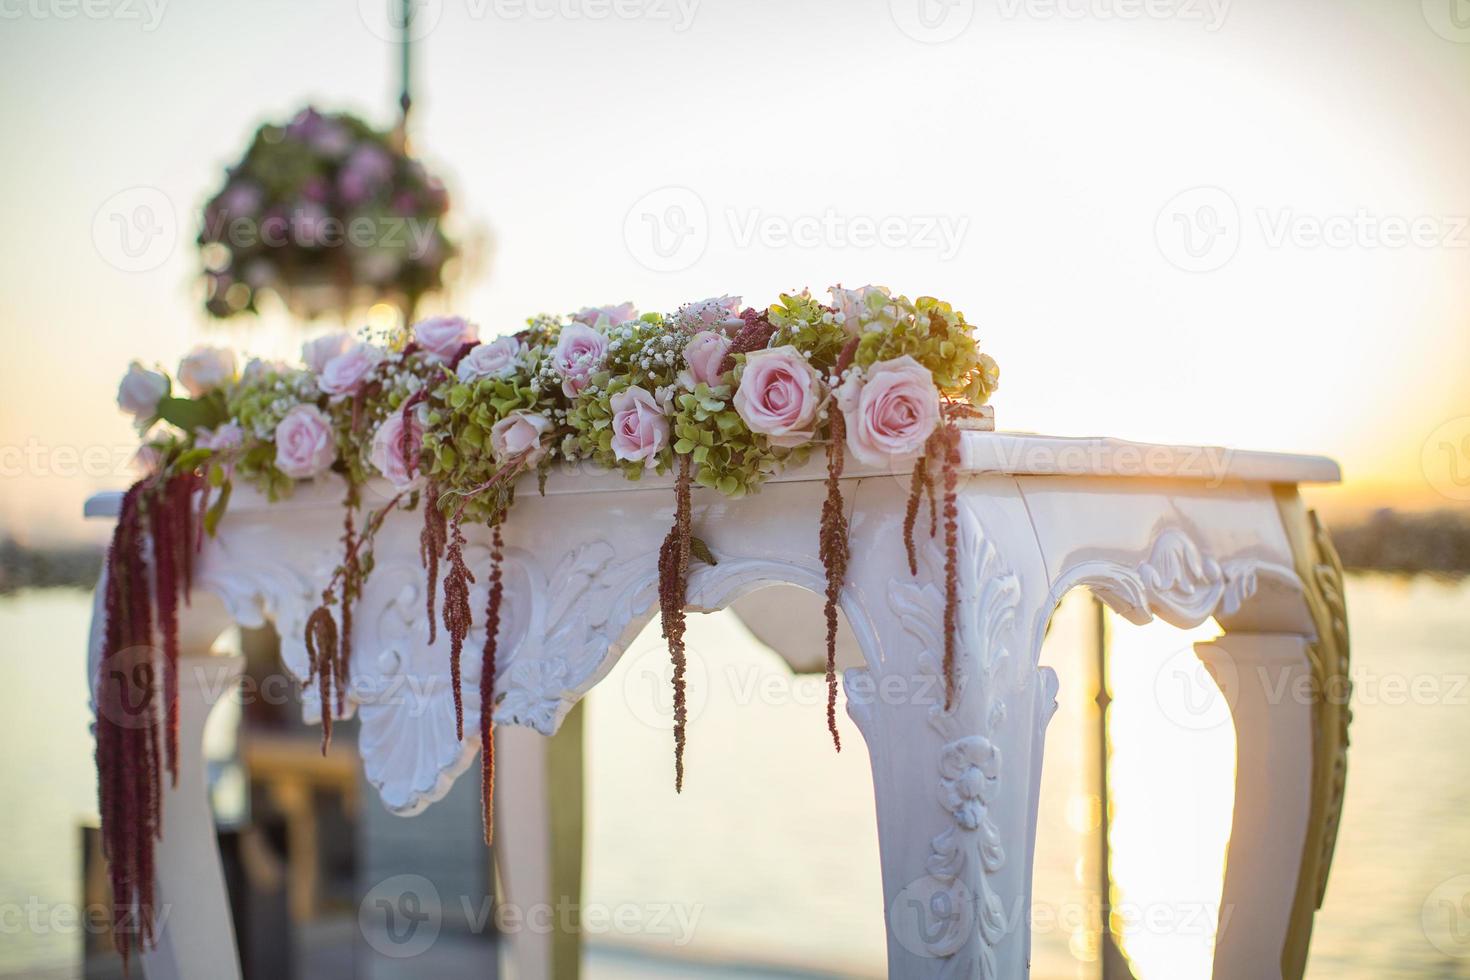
(196, 936)
(955, 785)
(538, 847)
(1266, 681)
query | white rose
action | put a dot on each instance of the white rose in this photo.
(140, 391)
(204, 369)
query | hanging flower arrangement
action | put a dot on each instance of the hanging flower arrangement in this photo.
(327, 213)
(724, 397)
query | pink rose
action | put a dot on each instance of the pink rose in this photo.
(316, 353)
(704, 354)
(640, 430)
(344, 374)
(497, 359)
(615, 315)
(579, 352)
(387, 452)
(779, 395)
(140, 392)
(891, 411)
(305, 445)
(442, 336)
(224, 438)
(204, 369)
(717, 311)
(517, 433)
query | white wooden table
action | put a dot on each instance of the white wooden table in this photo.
(1175, 532)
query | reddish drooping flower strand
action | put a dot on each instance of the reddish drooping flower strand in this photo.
(951, 558)
(832, 549)
(832, 544)
(432, 540)
(457, 615)
(673, 580)
(129, 787)
(328, 646)
(487, 678)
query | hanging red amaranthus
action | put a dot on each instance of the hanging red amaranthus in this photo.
(159, 513)
(432, 540)
(951, 439)
(832, 546)
(673, 581)
(328, 642)
(487, 678)
(457, 614)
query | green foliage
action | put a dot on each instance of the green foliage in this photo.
(457, 451)
(727, 456)
(808, 326)
(934, 334)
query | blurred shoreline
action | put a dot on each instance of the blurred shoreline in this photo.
(1387, 540)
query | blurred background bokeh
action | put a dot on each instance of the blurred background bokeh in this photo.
(1232, 222)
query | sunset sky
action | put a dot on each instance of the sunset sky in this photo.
(1239, 223)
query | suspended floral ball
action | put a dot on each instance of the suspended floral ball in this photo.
(330, 215)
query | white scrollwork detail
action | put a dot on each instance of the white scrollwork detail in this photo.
(1178, 582)
(970, 917)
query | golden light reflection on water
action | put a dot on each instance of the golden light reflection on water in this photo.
(1171, 773)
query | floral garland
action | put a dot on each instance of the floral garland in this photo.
(322, 210)
(723, 397)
